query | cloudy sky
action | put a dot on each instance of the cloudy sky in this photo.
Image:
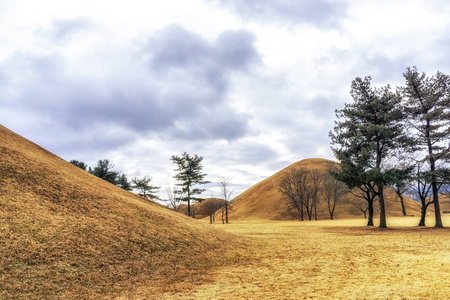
(250, 85)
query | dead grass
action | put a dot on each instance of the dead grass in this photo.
(67, 234)
(340, 259)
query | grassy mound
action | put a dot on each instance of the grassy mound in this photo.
(66, 233)
(264, 201)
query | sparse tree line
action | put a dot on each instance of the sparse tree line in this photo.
(105, 170)
(189, 177)
(398, 139)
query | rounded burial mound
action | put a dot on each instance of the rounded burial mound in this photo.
(65, 233)
(264, 201)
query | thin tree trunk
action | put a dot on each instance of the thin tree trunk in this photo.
(226, 212)
(437, 209)
(189, 207)
(382, 208)
(315, 210)
(403, 204)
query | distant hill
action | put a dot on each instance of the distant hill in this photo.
(444, 202)
(264, 201)
(66, 233)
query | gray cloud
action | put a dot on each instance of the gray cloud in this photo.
(175, 52)
(321, 13)
(179, 90)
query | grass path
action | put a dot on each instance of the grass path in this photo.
(312, 260)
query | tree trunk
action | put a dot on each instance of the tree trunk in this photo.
(226, 212)
(189, 207)
(437, 209)
(365, 215)
(315, 210)
(423, 213)
(382, 208)
(370, 208)
(210, 219)
(403, 204)
(331, 216)
(299, 214)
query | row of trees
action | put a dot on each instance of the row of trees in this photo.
(410, 125)
(105, 170)
(303, 188)
(189, 176)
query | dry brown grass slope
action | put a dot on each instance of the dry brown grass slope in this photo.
(264, 201)
(65, 233)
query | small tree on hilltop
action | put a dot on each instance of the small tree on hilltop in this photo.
(122, 182)
(189, 173)
(145, 188)
(79, 164)
(104, 170)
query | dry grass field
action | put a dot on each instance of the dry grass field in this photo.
(65, 234)
(339, 259)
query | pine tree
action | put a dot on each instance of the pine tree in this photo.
(189, 173)
(427, 103)
(145, 188)
(368, 131)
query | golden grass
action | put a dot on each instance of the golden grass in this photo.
(67, 234)
(339, 259)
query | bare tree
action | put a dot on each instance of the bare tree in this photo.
(367, 192)
(316, 179)
(334, 191)
(210, 207)
(288, 187)
(226, 193)
(173, 201)
(361, 206)
(294, 185)
(400, 189)
(422, 190)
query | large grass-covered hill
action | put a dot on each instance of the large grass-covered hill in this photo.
(65, 233)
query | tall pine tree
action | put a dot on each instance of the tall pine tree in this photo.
(427, 103)
(368, 131)
(189, 173)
